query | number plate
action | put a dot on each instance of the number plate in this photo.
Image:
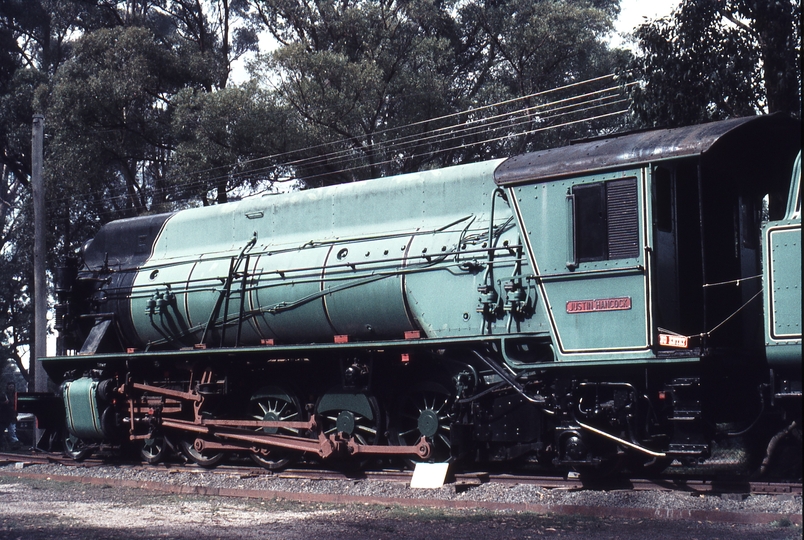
(680, 342)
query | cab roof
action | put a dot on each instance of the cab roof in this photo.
(775, 133)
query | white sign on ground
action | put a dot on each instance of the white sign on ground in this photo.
(429, 475)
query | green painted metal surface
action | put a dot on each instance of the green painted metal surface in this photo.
(369, 260)
(81, 406)
(784, 244)
(344, 400)
(782, 282)
(597, 309)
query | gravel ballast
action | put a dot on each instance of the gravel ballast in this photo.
(274, 507)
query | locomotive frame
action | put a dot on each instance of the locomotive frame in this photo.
(582, 307)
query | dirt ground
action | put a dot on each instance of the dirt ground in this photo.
(39, 510)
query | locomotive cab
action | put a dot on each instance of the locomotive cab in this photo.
(706, 248)
(647, 244)
(646, 250)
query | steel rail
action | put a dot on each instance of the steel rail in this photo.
(668, 482)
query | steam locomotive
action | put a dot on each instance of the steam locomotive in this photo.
(625, 301)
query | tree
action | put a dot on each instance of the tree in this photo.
(109, 118)
(525, 47)
(218, 29)
(15, 274)
(141, 117)
(375, 73)
(35, 39)
(21, 54)
(714, 59)
(353, 70)
(233, 138)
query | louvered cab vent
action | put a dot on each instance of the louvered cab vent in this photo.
(606, 220)
(623, 219)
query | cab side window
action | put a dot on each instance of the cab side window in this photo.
(606, 220)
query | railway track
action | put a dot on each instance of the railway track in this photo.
(670, 498)
(670, 483)
(697, 484)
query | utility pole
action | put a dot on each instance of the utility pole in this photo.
(39, 348)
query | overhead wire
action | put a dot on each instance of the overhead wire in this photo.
(454, 131)
(341, 160)
(446, 116)
(389, 145)
(335, 157)
(347, 164)
(495, 139)
(413, 142)
(472, 125)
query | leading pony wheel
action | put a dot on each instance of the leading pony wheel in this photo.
(154, 449)
(202, 459)
(75, 448)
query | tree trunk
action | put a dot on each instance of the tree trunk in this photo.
(776, 33)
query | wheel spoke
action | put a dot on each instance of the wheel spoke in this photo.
(204, 459)
(432, 404)
(275, 404)
(367, 429)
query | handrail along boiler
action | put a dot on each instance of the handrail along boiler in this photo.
(628, 300)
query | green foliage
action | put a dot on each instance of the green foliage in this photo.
(715, 59)
(226, 139)
(15, 301)
(16, 112)
(104, 73)
(521, 47)
(372, 71)
(536, 45)
(353, 70)
(110, 126)
(220, 31)
(16, 242)
(140, 115)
